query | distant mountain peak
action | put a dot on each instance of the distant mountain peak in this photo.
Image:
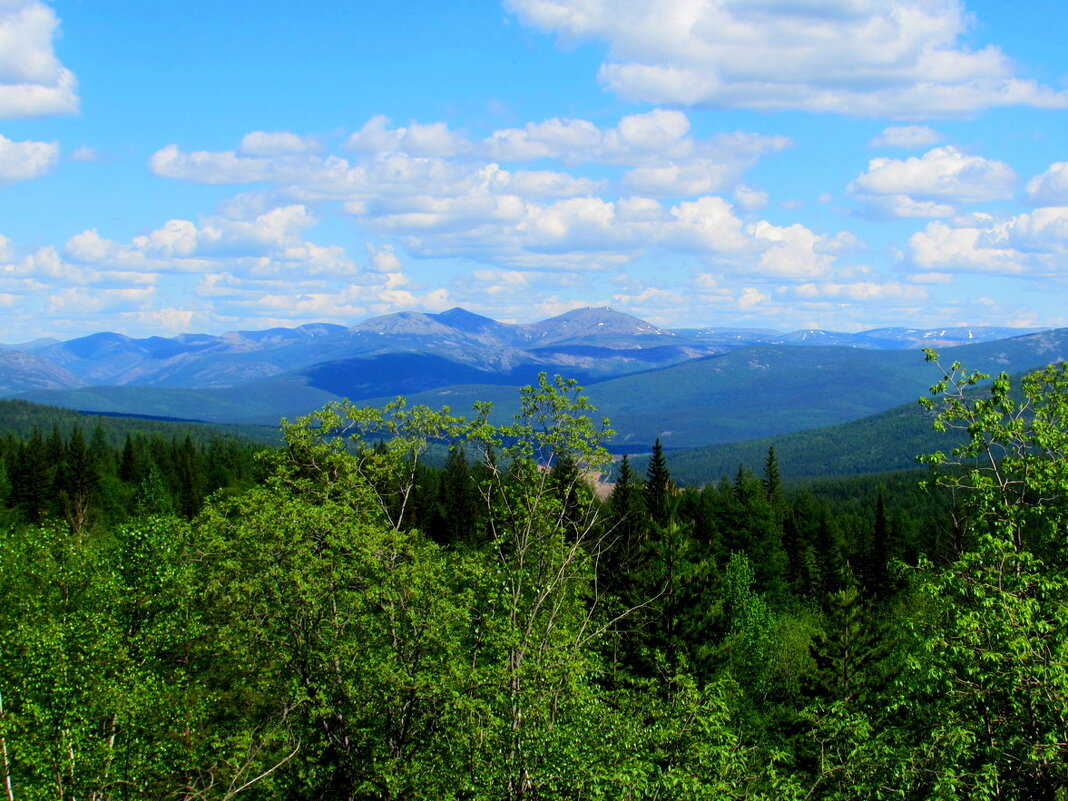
(468, 321)
(590, 321)
(403, 322)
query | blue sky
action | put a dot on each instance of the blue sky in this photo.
(842, 164)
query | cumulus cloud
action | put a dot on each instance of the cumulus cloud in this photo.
(792, 251)
(21, 161)
(262, 143)
(271, 243)
(931, 185)
(33, 82)
(83, 300)
(1034, 243)
(433, 139)
(749, 198)
(899, 58)
(1049, 188)
(660, 137)
(208, 168)
(907, 137)
(443, 196)
(45, 265)
(862, 291)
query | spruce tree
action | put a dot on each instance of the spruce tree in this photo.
(625, 525)
(458, 500)
(31, 480)
(77, 482)
(852, 651)
(55, 449)
(877, 571)
(129, 468)
(189, 478)
(772, 481)
(658, 487)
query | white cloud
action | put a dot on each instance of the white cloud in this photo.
(383, 259)
(946, 248)
(21, 161)
(45, 265)
(898, 58)
(433, 139)
(697, 177)
(270, 243)
(1049, 188)
(1035, 244)
(749, 198)
(707, 224)
(931, 278)
(659, 137)
(261, 143)
(752, 298)
(209, 168)
(650, 297)
(907, 136)
(33, 82)
(84, 153)
(1044, 230)
(464, 206)
(862, 291)
(931, 185)
(90, 300)
(792, 251)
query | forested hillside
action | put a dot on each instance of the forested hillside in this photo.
(343, 622)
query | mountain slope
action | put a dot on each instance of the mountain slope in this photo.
(746, 393)
(24, 372)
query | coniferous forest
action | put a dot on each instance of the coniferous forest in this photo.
(334, 619)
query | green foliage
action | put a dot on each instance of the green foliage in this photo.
(990, 659)
(344, 622)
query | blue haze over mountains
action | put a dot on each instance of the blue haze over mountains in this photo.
(688, 386)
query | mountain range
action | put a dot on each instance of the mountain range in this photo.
(687, 386)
